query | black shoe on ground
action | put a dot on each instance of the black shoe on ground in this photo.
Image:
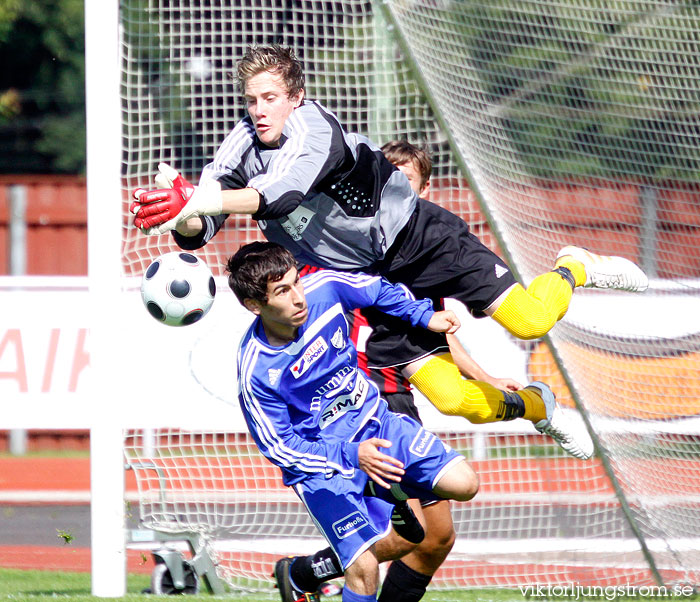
(288, 592)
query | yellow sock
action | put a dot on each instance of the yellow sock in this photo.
(535, 409)
(530, 314)
(575, 267)
(441, 382)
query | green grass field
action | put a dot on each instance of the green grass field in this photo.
(34, 586)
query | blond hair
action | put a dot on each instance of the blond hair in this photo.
(275, 59)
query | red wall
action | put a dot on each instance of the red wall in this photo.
(56, 224)
(57, 216)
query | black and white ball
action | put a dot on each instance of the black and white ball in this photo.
(178, 289)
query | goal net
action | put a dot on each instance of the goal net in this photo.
(578, 123)
(549, 123)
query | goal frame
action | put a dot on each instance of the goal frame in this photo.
(104, 200)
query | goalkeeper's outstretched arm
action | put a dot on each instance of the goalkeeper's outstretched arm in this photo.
(245, 201)
(180, 206)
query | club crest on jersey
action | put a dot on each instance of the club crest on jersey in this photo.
(273, 375)
(338, 340)
(312, 353)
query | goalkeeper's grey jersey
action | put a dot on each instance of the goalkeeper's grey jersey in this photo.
(330, 197)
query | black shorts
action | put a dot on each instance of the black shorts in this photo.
(403, 403)
(435, 256)
(394, 342)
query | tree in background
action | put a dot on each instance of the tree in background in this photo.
(42, 86)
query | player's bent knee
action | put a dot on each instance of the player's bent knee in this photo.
(460, 483)
(470, 487)
(530, 314)
(527, 327)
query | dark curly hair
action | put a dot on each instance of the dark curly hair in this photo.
(254, 265)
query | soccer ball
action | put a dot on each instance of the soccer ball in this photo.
(178, 289)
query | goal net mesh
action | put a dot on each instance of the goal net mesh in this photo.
(549, 123)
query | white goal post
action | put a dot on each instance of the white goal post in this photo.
(107, 320)
(549, 123)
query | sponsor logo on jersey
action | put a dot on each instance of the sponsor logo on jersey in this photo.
(345, 403)
(421, 443)
(297, 221)
(338, 340)
(500, 270)
(330, 386)
(312, 353)
(273, 375)
(348, 525)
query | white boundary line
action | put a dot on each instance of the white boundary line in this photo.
(281, 496)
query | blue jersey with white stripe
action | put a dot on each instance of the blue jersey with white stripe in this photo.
(306, 401)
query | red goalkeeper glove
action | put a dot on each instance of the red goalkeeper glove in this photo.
(155, 207)
(176, 201)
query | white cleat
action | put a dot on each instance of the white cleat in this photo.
(608, 271)
(571, 436)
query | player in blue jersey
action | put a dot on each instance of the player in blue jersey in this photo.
(334, 200)
(412, 567)
(314, 414)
